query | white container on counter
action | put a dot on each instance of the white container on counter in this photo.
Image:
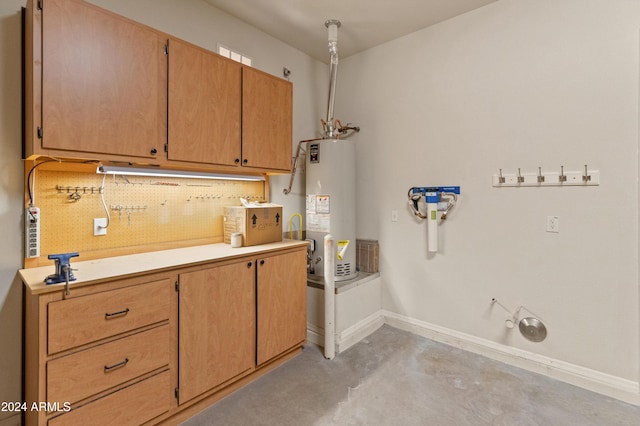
(236, 239)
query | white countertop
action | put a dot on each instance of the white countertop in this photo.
(96, 270)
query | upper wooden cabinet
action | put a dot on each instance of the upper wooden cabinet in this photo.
(103, 87)
(266, 120)
(102, 82)
(224, 113)
(204, 106)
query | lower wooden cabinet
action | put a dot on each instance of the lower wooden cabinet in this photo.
(90, 372)
(238, 316)
(157, 347)
(217, 326)
(282, 323)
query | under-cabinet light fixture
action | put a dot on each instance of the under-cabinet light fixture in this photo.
(157, 172)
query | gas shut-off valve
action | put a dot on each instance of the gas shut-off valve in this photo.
(438, 199)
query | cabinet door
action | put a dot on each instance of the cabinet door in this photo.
(282, 303)
(204, 106)
(217, 326)
(266, 121)
(103, 82)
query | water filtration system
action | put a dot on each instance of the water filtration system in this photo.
(437, 199)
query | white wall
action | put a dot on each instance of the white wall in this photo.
(514, 84)
(192, 20)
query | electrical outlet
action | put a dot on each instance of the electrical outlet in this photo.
(394, 215)
(553, 224)
(32, 232)
(100, 226)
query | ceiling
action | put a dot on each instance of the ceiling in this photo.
(365, 23)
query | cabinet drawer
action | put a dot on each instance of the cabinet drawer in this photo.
(74, 322)
(132, 405)
(85, 373)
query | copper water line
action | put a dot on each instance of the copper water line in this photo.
(295, 164)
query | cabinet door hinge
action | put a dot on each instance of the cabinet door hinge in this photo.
(177, 393)
(166, 147)
(39, 132)
(178, 285)
(166, 49)
(39, 4)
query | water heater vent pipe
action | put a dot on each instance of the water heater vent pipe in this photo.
(332, 27)
(332, 128)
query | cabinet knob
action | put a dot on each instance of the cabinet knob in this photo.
(245, 161)
(237, 161)
(154, 151)
(262, 262)
(249, 264)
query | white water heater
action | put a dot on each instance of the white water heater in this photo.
(330, 204)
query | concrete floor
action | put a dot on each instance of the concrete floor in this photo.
(396, 378)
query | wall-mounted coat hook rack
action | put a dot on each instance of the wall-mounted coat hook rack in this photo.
(584, 177)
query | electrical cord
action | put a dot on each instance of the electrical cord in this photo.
(106, 210)
(31, 175)
(31, 179)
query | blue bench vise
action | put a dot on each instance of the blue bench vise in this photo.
(63, 268)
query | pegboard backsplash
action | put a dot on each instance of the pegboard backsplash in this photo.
(145, 212)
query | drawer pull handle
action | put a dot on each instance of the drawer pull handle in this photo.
(108, 368)
(116, 314)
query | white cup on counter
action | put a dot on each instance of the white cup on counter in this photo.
(236, 239)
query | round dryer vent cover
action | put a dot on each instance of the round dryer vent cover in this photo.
(533, 329)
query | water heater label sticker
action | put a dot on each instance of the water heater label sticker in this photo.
(311, 203)
(323, 204)
(314, 153)
(342, 248)
(318, 222)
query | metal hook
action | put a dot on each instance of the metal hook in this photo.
(540, 177)
(74, 197)
(512, 318)
(562, 177)
(520, 177)
(501, 178)
(586, 177)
